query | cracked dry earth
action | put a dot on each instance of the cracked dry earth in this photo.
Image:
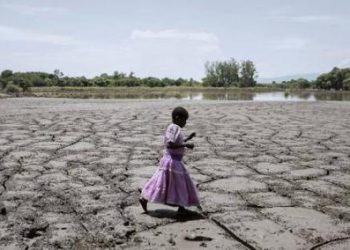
(271, 175)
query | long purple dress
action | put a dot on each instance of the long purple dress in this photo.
(171, 183)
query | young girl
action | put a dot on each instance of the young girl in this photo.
(171, 183)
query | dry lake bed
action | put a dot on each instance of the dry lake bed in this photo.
(271, 175)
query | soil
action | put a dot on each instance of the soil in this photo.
(271, 175)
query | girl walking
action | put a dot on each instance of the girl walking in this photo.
(171, 183)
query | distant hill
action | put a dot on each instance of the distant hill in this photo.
(310, 77)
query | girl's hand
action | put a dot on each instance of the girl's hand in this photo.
(190, 136)
(189, 145)
(193, 134)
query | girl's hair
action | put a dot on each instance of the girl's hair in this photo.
(179, 112)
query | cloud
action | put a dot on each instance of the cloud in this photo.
(203, 42)
(13, 34)
(30, 10)
(290, 43)
(174, 34)
(308, 19)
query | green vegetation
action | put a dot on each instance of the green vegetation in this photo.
(230, 73)
(12, 89)
(224, 74)
(336, 79)
(25, 80)
(178, 92)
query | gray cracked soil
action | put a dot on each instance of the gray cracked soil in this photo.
(271, 175)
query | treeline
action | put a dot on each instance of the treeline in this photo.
(230, 74)
(218, 74)
(336, 79)
(15, 81)
(233, 74)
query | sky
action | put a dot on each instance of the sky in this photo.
(173, 38)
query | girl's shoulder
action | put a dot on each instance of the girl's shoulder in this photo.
(173, 128)
(173, 132)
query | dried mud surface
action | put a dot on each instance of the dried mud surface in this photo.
(271, 175)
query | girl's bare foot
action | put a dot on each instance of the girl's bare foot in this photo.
(143, 203)
(183, 211)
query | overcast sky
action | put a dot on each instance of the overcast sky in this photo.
(173, 38)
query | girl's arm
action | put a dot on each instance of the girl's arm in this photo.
(173, 145)
(190, 137)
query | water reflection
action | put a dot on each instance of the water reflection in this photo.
(219, 94)
(197, 96)
(333, 96)
(216, 95)
(249, 96)
(268, 96)
(283, 96)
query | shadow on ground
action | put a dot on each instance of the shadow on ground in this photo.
(171, 214)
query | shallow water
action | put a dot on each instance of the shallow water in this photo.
(185, 94)
(271, 96)
(282, 96)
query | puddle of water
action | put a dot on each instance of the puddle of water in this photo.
(196, 97)
(222, 94)
(270, 96)
(282, 96)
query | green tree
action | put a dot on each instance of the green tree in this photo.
(20, 81)
(12, 89)
(58, 73)
(168, 82)
(303, 83)
(152, 82)
(337, 78)
(38, 81)
(101, 81)
(117, 75)
(5, 78)
(222, 74)
(180, 82)
(321, 81)
(346, 81)
(333, 79)
(85, 82)
(6, 73)
(131, 74)
(248, 74)
(128, 82)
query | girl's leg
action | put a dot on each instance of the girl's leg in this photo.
(143, 203)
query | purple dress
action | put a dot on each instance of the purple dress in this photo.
(171, 183)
